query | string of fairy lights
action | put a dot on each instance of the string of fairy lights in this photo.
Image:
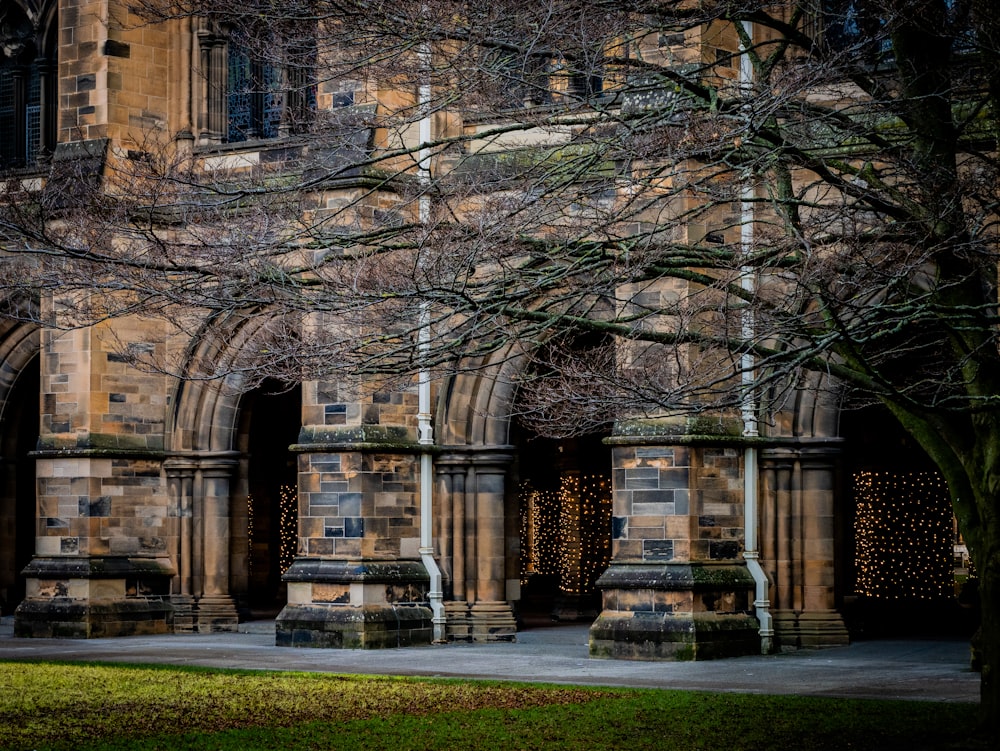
(288, 523)
(566, 532)
(904, 536)
(903, 527)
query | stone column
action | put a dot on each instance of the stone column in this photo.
(22, 150)
(212, 109)
(48, 105)
(451, 470)
(798, 536)
(215, 607)
(491, 616)
(677, 587)
(473, 483)
(358, 581)
(180, 486)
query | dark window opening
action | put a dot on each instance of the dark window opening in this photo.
(862, 27)
(26, 82)
(254, 96)
(520, 80)
(268, 98)
(586, 75)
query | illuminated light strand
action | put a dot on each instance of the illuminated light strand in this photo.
(567, 532)
(250, 537)
(904, 536)
(288, 528)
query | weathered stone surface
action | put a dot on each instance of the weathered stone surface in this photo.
(70, 618)
(353, 627)
(668, 636)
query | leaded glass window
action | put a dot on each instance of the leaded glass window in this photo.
(20, 114)
(255, 101)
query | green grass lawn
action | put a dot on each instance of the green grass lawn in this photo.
(87, 706)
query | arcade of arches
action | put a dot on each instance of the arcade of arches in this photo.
(132, 503)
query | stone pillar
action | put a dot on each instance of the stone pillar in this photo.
(473, 484)
(798, 543)
(180, 474)
(491, 616)
(214, 71)
(216, 609)
(358, 581)
(677, 587)
(198, 486)
(48, 106)
(102, 552)
(454, 541)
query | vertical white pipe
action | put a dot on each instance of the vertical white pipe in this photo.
(425, 430)
(751, 554)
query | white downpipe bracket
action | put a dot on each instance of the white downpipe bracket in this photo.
(751, 553)
(425, 430)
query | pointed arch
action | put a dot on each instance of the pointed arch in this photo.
(476, 405)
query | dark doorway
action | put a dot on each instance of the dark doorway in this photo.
(564, 496)
(905, 570)
(19, 423)
(270, 422)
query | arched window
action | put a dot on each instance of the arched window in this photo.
(254, 94)
(27, 90)
(254, 88)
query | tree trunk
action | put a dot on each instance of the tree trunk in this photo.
(988, 567)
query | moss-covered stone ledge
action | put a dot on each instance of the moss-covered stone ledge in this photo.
(693, 575)
(330, 570)
(705, 426)
(104, 567)
(370, 438)
(707, 433)
(124, 450)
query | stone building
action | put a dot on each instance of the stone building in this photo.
(132, 502)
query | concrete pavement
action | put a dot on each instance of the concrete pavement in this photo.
(901, 669)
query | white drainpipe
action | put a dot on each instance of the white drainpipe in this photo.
(425, 430)
(751, 554)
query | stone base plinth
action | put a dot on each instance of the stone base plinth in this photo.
(76, 597)
(809, 630)
(350, 627)
(675, 611)
(355, 605)
(185, 618)
(661, 636)
(458, 627)
(65, 618)
(215, 614)
(480, 622)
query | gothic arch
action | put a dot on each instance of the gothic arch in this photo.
(205, 410)
(19, 343)
(478, 509)
(205, 472)
(475, 406)
(19, 425)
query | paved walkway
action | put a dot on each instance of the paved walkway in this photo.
(923, 670)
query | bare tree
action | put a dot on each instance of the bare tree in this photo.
(649, 200)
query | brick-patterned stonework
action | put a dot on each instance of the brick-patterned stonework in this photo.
(105, 536)
(358, 580)
(677, 587)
